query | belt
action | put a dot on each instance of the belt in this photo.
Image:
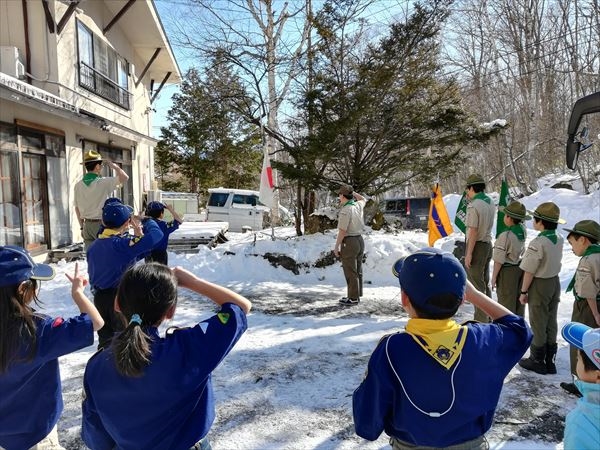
(92, 220)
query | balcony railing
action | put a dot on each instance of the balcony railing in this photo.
(94, 81)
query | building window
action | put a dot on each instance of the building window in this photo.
(102, 70)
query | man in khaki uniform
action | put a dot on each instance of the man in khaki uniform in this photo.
(92, 191)
(584, 238)
(349, 245)
(478, 251)
(507, 252)
(540, 288)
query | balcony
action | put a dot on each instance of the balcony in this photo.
(94, 81)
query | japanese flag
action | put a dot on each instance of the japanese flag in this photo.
(265, 194)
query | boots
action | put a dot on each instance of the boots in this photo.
(551, 358)
(536, 361)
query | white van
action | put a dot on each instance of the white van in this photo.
(240, 207)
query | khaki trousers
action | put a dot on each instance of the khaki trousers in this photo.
(479, 273)
(90, 232)
(582, 314)
(351, 254)
(543, 298)
(508, 289)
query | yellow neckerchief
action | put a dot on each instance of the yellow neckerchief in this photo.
(442, 339)
(108, 232)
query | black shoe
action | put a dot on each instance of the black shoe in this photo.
(571, 389)
(349, 301)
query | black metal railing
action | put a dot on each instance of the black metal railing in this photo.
(94, 81)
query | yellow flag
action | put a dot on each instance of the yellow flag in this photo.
(439, 223)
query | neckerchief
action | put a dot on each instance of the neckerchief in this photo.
(443, 340)
(593, 248)
(519, 231)
(349, 202)
(482, 196)
(550, 234)
(89, 177)
(108, 232)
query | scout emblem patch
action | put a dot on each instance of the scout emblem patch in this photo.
(223, 317)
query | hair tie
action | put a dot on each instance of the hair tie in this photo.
(135, 318)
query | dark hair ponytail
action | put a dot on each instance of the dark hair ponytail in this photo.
(146, 292)
(17, 325)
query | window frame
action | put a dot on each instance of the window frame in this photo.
(110, 83)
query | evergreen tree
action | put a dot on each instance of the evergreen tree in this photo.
(381, 114)
(207, 144)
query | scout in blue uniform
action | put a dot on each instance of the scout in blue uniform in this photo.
(435, 385)
(156, 210)
(30, 344)
(111, 254)
(148, 392)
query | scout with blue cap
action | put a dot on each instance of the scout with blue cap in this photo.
(435, 384)
(156, 210)
(582, 424)
(30, 344)
(112, 254)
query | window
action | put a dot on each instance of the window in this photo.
(218, 199)
(244, 199)
(101, 69)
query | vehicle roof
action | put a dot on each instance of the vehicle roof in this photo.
(221, 190)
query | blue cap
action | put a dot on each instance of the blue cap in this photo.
(584, 338)
(115, 214)
(155, 206)
(430, 272)
(17, 266)
(112, 200)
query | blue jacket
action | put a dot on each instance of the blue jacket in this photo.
(489, 353)
(167, 228)
(30, 391)
(171, 406)
(110, 256)
(582, 425)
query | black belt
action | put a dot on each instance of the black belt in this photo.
(92, 220)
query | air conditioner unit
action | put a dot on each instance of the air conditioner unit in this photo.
(10, 62)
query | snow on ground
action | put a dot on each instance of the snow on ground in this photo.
(288, 383)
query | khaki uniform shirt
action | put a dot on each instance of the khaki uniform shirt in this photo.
(508, 248)
(542, 257)
(587, 277)
(90, 199)
(480, 215)
(351, 218)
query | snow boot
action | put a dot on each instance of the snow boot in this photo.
(571, 389)
(536, 361)
(551, 358)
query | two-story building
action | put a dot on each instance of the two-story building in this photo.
(74, 76)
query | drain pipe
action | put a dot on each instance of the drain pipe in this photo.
(27, 47)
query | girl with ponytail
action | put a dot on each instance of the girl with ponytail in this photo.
(30, 343)
(146, 391)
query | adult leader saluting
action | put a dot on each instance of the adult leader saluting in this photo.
(92, 191)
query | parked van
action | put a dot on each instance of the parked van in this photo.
(240, 207)
(409, 213)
